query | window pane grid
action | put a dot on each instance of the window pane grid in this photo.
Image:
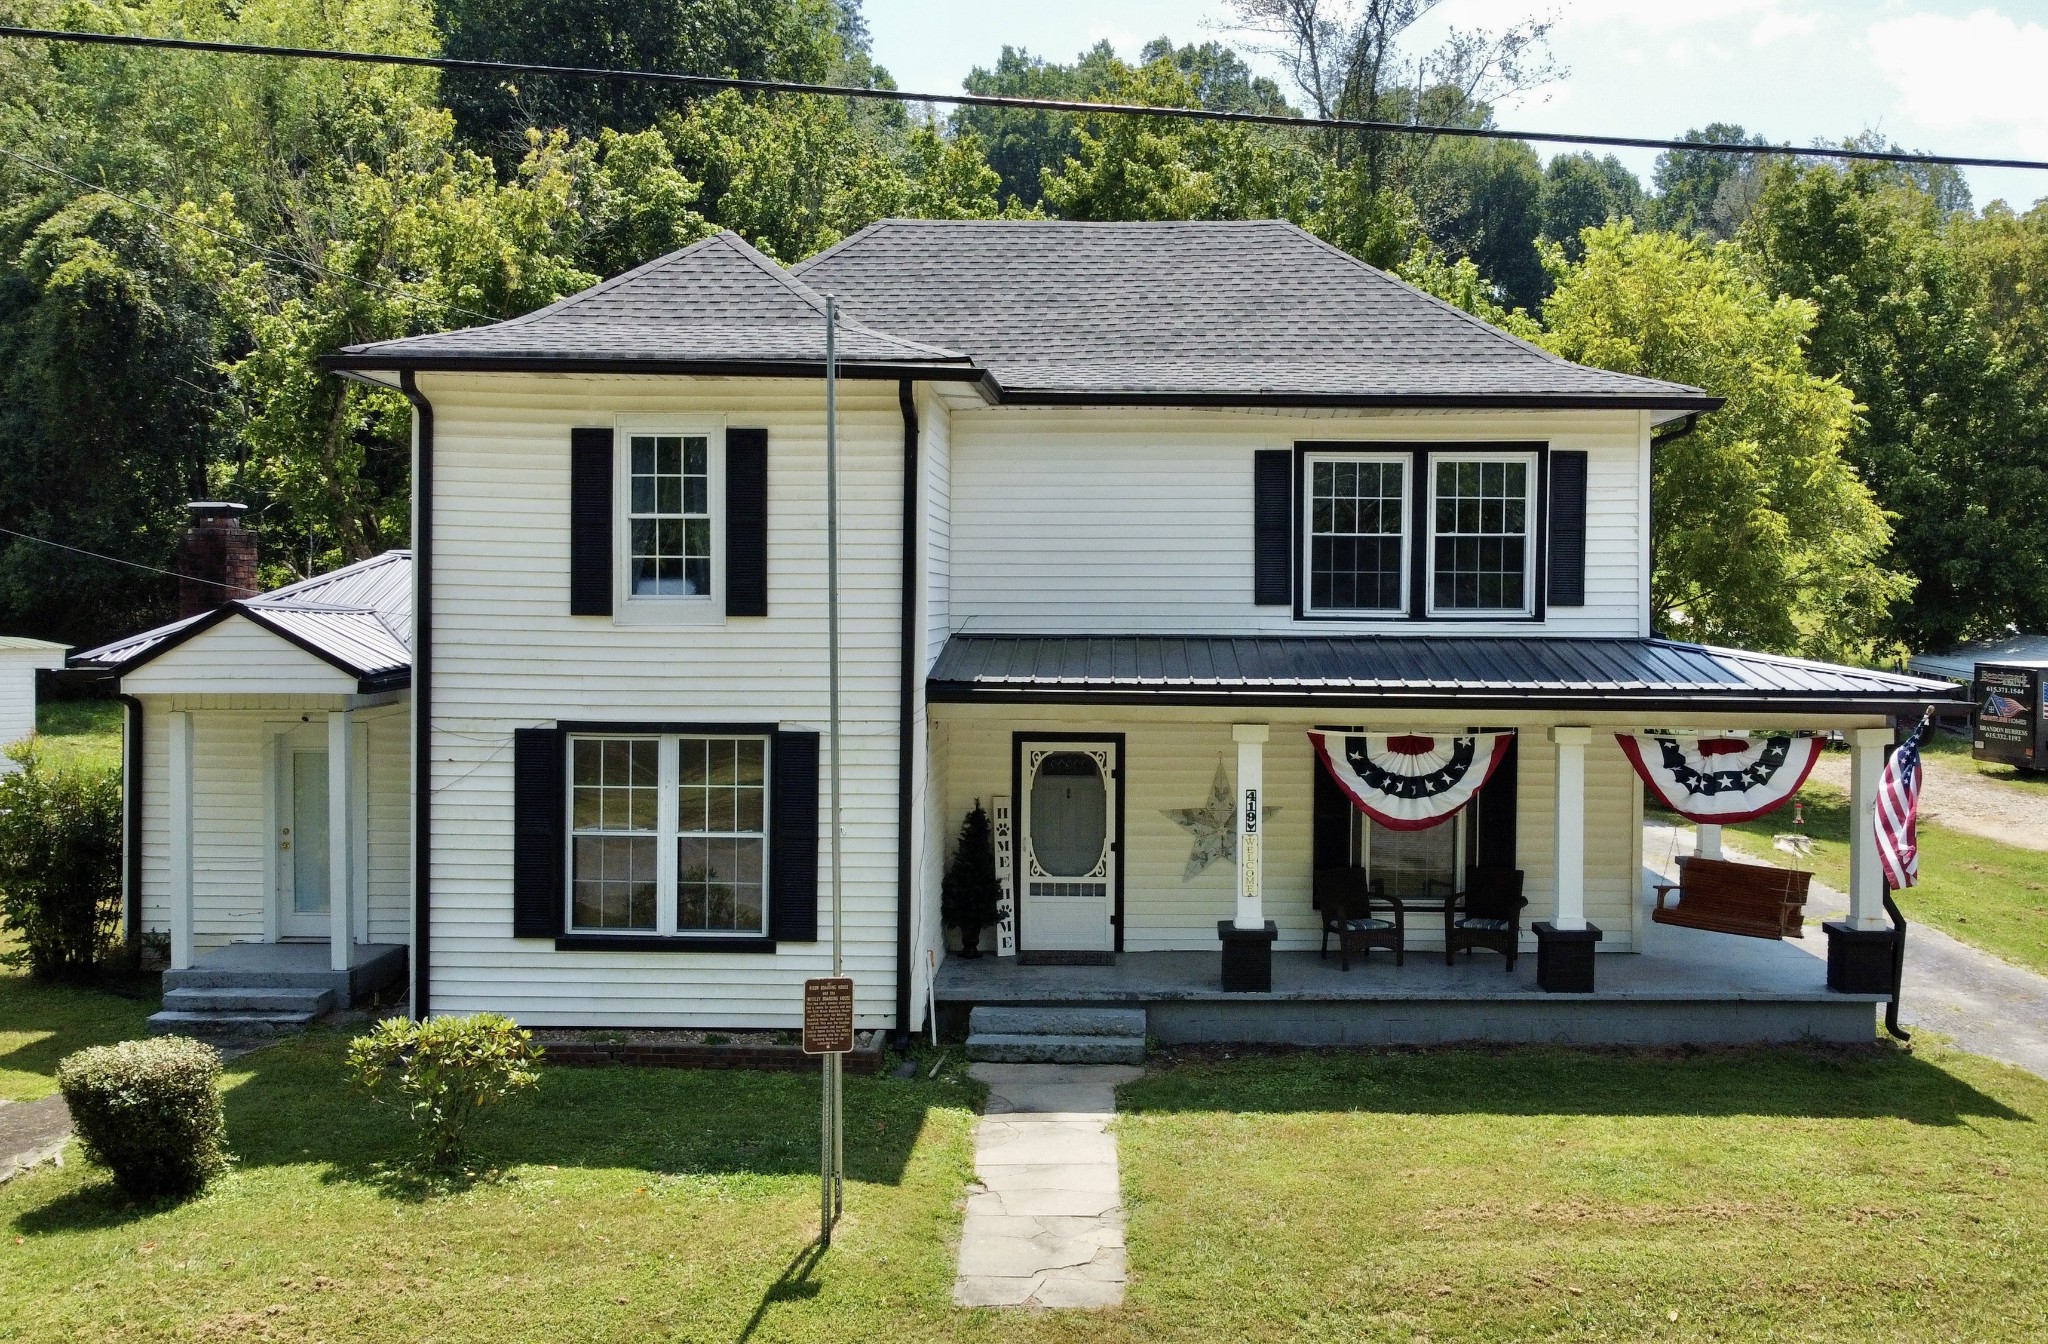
(615, 795)
(1481, 552)
(721, 824)
(1356, 525)
(669, 515)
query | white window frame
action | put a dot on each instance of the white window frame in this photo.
(1361, 843)
(1406, 460)
(668, 835)
(1532, 519)
(628, 607)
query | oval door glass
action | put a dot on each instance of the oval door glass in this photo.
(1069, 814)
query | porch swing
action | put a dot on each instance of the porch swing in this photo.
(1714, 781)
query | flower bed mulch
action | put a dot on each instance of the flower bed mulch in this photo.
(680, 1049)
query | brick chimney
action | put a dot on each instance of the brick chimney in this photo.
(215, 548)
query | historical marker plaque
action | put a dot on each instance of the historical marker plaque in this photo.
(828, 1015)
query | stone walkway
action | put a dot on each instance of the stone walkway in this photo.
(31, 1133)
(1988, 1006)
(1045, 1221)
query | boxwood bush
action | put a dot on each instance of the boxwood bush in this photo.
(445, 1071)
(149, 1111)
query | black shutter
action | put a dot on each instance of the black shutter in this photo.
(793, 838)
(746, 522)
(539, 802)
(1331, 844)
(1568, 529)
(1497, 812)
(590, 522)
(1273, 527)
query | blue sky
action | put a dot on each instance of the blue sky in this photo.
(1962, 78)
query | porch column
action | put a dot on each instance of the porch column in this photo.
(179, 794)
(1248, 936)
(1251, 768)
(1866, 877)
(1564, 943)
(1570, 836)
(341, 920)
(1707, 844)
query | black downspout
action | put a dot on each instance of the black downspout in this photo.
(422, 690)
(906, 707)
(131, 824)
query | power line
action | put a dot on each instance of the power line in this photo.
(993, 100)
(117, 560)
(236, 239)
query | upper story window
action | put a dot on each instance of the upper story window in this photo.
(669, 515)
(668, 835)
(1482, 546)
(1418, 531)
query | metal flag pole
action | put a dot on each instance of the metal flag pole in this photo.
(832, 1139)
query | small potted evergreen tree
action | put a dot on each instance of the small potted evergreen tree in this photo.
(968, 898)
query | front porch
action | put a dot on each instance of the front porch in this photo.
(250, 989)
(1684, 986)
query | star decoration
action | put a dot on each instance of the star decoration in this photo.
(1214, 825)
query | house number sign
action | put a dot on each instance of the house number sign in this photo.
(1248, 848)
(828, 1015)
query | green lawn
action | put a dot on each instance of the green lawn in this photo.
(40, 1023)
(87, 731)
(1955, 751)
(1453, 1195)
(1990, 895)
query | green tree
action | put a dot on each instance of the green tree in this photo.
(1480, 199)
(1761, 533)
(1582, 192)
(1704, 192)
(1947, 438)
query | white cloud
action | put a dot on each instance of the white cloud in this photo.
(1984, 70)
(1777, 25)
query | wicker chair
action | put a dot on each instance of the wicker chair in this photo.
(1487, 913)
(1347, 903)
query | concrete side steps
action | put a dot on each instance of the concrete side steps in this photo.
(997, 1048)
(209, 977)
(999, 1021)
(172, 1022)
(249, 999)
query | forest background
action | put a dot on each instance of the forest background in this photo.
(182, 236)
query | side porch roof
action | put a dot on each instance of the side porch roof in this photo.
(1411, 671)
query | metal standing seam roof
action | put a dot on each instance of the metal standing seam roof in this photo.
(717, 301)
(358, 617)
(1500, 672)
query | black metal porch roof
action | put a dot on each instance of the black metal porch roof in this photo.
(1410, 671)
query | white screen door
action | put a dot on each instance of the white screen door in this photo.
(1067, 873)
(302, 870)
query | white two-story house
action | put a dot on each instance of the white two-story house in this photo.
(1208, 556)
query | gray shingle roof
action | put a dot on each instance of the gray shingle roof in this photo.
(717, 301)
(1194, 311)
(358, 617)
(1410, 670)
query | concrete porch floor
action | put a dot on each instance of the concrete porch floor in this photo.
(1685, 986)
(372, 966)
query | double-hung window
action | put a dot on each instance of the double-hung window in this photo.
(668, 522)
(669, 835)
(1370, 516)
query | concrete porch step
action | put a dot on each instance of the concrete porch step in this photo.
(1027, 1021)
(1004, 1048)
(173, 1022)
(249, 999)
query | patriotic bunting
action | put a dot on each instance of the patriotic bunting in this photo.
(1408, 782)
(1721, 779)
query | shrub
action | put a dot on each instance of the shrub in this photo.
(149, 1111)
(970, 893)
(445, 1070)
(60, 862)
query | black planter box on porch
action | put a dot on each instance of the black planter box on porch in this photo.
(1247, 957)
(1564, 957)
(1859, 960)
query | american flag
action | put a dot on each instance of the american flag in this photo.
(1898, 811)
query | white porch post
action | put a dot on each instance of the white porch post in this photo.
(1707, 844)
(180, 797)
(1251, 768)
(1570, 832)
(341, 919)
(1866, 878)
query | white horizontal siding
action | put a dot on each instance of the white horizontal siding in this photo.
(240, 654)
(1122, 520)
(388, 807)
(1170, 761)
(18, 695)
(938, 525)
(501, 542)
